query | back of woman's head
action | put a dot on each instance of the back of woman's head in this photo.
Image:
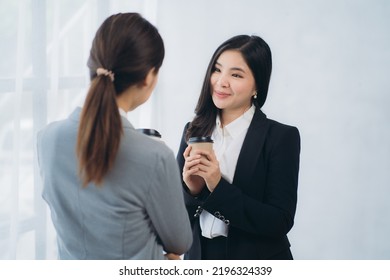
(125, 48)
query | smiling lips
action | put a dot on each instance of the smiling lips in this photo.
(220, 94)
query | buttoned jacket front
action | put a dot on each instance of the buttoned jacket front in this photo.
(259, 206)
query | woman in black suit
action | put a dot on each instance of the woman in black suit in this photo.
(241, 197)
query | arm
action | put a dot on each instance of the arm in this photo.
(274, 215)
(192, 202)
(166, 207)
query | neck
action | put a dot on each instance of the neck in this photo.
(124, 108)
(229, 116)
(126, 100)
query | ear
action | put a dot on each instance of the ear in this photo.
(150, 79)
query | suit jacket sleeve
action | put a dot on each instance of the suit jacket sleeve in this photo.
(192, 203)
(166, 207)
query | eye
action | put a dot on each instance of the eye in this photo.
(216, 69)
(236, 75)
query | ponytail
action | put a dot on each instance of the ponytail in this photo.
(125, 48)
(99, 132)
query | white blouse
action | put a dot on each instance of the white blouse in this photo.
(228, 141)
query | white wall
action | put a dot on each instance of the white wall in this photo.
(330, 79)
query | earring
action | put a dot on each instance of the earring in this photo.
(255, 96)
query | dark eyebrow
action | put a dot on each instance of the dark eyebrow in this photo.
(232, 69)
(237, 69)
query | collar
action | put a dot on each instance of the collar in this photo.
(236, 127)
(122, 112)
(75, 116)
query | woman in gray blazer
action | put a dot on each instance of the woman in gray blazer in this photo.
(113, 192)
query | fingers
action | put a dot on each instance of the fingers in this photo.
(211, 178)
(187, 151)
(172, 256)
(190, 162)
(190, 165)
(210, 155)
(204, 167)
(199, 161)
(189, 172)
(200, 164)
(189, 158)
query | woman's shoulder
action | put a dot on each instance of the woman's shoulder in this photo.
(62, 125)
(145, 147)
(280, 126)
(260, 116)
(278, 129)
(60, 130)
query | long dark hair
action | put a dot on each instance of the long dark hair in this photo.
(128, 46)
(257, 55)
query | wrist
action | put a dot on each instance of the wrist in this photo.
(214, 185)
(194, 193)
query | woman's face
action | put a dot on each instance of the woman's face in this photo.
(232, 83)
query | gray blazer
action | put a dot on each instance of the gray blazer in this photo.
(136, 214)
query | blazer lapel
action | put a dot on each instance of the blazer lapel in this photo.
(251, 148)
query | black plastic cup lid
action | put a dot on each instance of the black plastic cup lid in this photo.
(149, 132)
(203, 139)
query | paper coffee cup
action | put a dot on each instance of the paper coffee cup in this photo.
(204, 143)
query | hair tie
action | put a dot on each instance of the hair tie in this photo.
(105, 72)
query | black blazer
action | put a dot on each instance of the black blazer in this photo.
(259, 206)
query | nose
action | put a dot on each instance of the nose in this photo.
(222, 81)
